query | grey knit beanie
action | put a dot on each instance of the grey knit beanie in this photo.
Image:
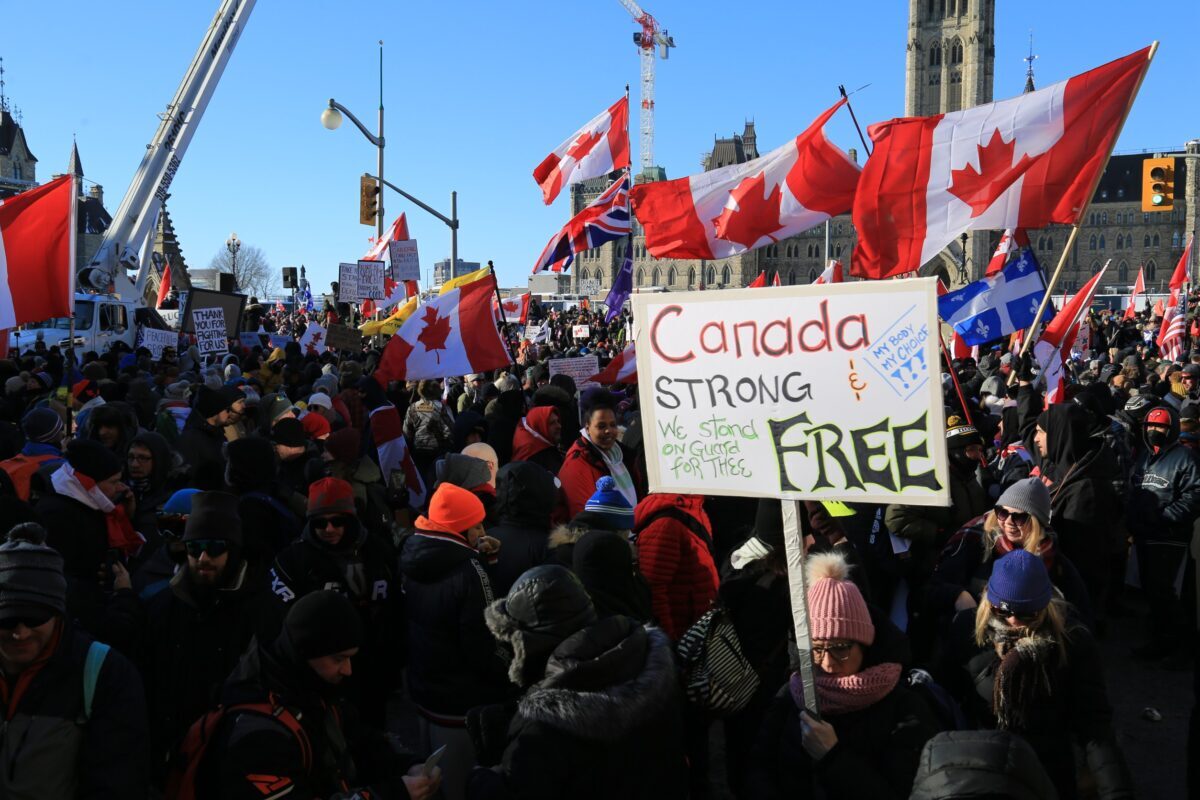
(31, 574)
(1030, 495)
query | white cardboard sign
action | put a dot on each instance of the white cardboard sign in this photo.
(800, 393)
(209, 324)
(579, 368)
(581, 331)
(406, 263)
(155, 340)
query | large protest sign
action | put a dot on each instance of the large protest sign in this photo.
(360, 281)
(579, 369)
(340, 337)
(209, 325)
(406, 263)
(155, 340)
(803, 392)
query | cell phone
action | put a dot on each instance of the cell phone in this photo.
(432, 762)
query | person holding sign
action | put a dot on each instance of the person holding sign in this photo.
(868, 738)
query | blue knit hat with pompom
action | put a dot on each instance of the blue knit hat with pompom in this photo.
(611, 505)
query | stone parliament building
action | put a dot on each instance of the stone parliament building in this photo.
(950, 65)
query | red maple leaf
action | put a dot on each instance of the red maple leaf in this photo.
(311, 347)
(435, 332)
(582, 146)
(389, 286)
(754, 216)
(996, 173)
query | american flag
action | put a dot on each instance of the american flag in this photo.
(606, 219)
(1170, 335)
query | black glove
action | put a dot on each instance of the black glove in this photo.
(1025, 367)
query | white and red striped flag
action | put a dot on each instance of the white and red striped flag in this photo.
(622, 369)
(1025, 162)
(1170, 334)
(37, 254)
(1139, 287)
(453, 334)
(743, 206)
(832, 274)
(393, 291)
(387, 431)
(598, 148)
(1012, 241)
(1053, 348)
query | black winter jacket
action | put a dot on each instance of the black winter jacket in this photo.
(454, 663)
(1164, 491)
(604, 722)
(957, 764)
(201, 446)
(525, 497)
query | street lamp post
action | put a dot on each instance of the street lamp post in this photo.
(331, 118)
(233, 244)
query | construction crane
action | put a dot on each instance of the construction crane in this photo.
(649, 39)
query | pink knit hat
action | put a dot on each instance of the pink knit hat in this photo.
(836, 609)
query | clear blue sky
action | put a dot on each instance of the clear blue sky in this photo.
(477, 93)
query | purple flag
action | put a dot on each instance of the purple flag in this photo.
(621, 289)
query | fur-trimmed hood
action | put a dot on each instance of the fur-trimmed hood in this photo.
(604, 682)
(566, 534)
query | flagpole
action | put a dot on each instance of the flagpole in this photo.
(1037, 318)
(954, 377)
(512, 361)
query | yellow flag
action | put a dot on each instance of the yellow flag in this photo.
(470, 277)
(392, 324)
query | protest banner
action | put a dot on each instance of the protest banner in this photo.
(209, 325)
(370, 280)
(340, 337)
(536, 333)
(170, 316)
(348, 283)
(155, 340)
(801, 393)
(406, 264)
(581, 331)
(579, 369)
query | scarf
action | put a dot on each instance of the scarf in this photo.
(841, 694)
(614, 459)
(82, 489)
(1045, 549)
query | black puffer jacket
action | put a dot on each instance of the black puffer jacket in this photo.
(605, 722)
(202, 447)
(1164, 491)
(957, 764)
(454, 663)
(525, 497)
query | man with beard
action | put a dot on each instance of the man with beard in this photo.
(198, 627)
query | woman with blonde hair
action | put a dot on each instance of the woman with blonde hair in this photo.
(1020, 521)
(1038, 675)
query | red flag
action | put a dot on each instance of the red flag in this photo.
(387, 431)
(775, 280)
(1139, 287)
(1054, 346)
(516, 308)
(1181, 269)
(397, 233)
(832, 274)
(758, 282)
(1025, 162)
(1011, 241)
(743, 206)
(596, 149)
(453, 334)
(164, 287)
(37, 253)
(622, 369)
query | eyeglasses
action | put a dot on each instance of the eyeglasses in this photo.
(214, 547)
(840, 652)
(325, 522)
(1003, 611)
(139, 457)
(33, 620)
(1019, 518)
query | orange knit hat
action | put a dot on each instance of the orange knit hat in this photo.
(452, 510)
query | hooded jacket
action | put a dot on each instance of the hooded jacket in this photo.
(201, 445)
(525, 497)
(532, 440)
(957, 764)
(503, 417)
(676, 558)
(605, 721)
(1164, 490)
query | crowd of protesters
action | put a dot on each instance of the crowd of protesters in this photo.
(210, 588)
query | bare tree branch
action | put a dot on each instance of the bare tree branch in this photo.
(251, 271)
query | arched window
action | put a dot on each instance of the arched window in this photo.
(691, 277)
(791, 277)
(1104, 218)
(962, 8)
(956, 52)
(817, 250)
(726, 275)
(837, 251)
(812, 275)
(711, 278)
(1150, 270)
(1041, 244)
(1129, 241)
(1049, 242)
(1102, 241)
(1120, 242)
(1156, 241)
(583, 275)
(1092, 242)
(935, 55)
(672, 276)
(1123, 272)
(1176, 239)
(1146, 240)
(641, 277)
(656, 277)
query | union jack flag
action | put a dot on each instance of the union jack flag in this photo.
(606, 219)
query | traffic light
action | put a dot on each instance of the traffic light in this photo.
(368, 200)
(1158, 184)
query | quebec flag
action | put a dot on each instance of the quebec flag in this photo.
(997, 306)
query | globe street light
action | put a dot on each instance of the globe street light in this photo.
(233, 244)
(331, 118)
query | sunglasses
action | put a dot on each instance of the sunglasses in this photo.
(214, 547)
(1002, 611)
(29, 620)
(1019, 518)
(840, 652)
(325, 522)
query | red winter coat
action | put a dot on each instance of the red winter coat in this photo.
(582, 467)
(675, 560)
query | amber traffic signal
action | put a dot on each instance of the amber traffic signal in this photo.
(368, 200)
(1158, 184)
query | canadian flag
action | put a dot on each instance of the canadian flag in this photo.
(164, 286)
(832, 274)
(622, 369)
(312, 341)
(758, 282)
(393, 291)
(1004, 249)
(598, 148)
(397, 233)
(37, 254)
(775, 280)
(1054, 346)
(387, 431)
(516, 308)
(453, 334)
(1025, 162)
(743, 206)
(1139, 288)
